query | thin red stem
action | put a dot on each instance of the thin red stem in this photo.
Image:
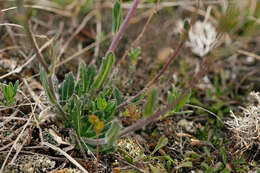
(97, 153)
(123, 27)
(148, 85)
(166, 65)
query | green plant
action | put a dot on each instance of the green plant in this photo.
(175, 96)
(10, 92)
(134, 55)
(89, 103)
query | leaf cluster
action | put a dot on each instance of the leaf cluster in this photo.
(10, 92)
(89, 102)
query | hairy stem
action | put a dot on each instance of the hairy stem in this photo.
(151, 82)
(139, 36)
(142, 122)
(123, 27)
(166, 65)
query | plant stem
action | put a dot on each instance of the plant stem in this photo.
(54, 95)
(142, 122)
(139, 36)
(166, 65)
(44, 65)
(137, 125)
(25, 20)
(151, 82)
(97, 153)
(36, 48)
(123, 27)
(80, 146)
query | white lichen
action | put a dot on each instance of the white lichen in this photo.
(66, 170)
(202, 36)
(246, 129)
(131, 147)
(31, 164)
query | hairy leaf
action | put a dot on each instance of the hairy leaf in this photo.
(86, 78)
(150, 104)
(45, 84)
(77, 118)
(184, 164)
(182, 102)
(112, 133)
(9, 92)
(15, 87)
(117, 16)
(91, 73)
(117, 96)
(81, 85)
(101, 103)
(106, 67)
(161, 143)
(109, 110)
(66, 89)
(107, 93)
(172, 95)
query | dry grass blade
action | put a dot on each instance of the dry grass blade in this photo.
(201, 108)
(15, 142)
(201, 12)
(34, 96)
(249, 54)
(51, 9)
(18, 69)
(6, 146)
(11, 24)
(66, 155)
(162, 5)
(79, 28)
(83, 51)
(9, 118)
(9, 48)
(25, 137)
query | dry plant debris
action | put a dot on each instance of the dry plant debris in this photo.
(246, 128)
(31, 164)
(222, 47)
(130, 146)
(67, 170)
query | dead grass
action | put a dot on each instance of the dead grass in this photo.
(70, 37)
